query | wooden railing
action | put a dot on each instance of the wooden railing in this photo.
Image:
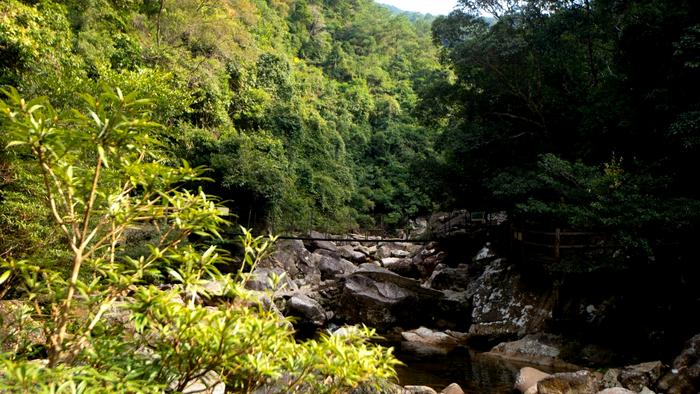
(554, 243)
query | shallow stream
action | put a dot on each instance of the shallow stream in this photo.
(473, 371)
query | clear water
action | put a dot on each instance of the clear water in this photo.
(474, 372)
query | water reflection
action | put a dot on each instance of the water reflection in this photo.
(474, 372)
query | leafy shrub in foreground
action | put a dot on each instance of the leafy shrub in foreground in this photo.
(108, 327)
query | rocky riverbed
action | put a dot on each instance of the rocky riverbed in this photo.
(436, 308)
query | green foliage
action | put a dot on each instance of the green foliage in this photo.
(314, 80)
(107, 326)
(572, 114)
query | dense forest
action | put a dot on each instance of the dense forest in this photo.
(340, 115)
(304, 111)
(329, 115)
(573, 114)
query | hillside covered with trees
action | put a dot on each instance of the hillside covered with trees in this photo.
(127, 125)
(303, 110)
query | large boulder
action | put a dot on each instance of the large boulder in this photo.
(505, 306)
(528, 377)
(685, 375)
(380, 298)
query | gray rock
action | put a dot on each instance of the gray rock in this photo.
(307, 309)
(384, 251)
(424, 341)
(636, 377)
(534, 349)
(318, 244)
(446, 278)
(364, 250)
(410, 247)
(400, 253)
(261, 279)
(581, 382)
(331, 268)
(382, 299)
(427, 261)
(504, 306)
(610, 378)
(403, 267)
(214, 288)
(292, 257)
(348, 252)
(419, 228)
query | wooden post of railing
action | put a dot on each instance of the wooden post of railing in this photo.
(557, 243)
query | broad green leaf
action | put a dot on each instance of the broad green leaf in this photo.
(5, 275)
(15, 143)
